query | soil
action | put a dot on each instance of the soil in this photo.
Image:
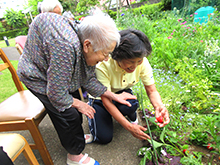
(193, 148)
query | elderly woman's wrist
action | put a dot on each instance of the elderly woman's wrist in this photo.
(75, 103)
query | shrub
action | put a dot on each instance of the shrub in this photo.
(150, 10)
(14, 33)
(15, 19)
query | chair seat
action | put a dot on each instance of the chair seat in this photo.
(20, 106)
(12, 143)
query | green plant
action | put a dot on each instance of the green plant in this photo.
(14, 33)
(2, 29)
(33, 5)
(198, 137)
(213, 127)
(148, 10)
(194, 159)
(15, 19)
(85, 5)
(198, 88)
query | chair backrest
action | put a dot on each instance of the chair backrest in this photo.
(21, 40)
(19, 43)
(8, 65)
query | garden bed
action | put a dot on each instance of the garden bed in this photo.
(207, 156)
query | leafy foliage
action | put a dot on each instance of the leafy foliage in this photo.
(198, 137)
(33, 5)
(85, 5)
(15, 19)
(2, 29)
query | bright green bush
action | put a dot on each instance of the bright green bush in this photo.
(149, 10)
(2, 29)
(15, 19)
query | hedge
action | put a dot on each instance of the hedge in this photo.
(14, 33)
(149, 10)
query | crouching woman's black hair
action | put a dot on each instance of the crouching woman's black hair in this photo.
(133, 44)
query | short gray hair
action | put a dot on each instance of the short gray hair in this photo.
(49, 5)
(101, 31)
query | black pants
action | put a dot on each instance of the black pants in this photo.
(4, 159)
(68, 124)
(101, 127)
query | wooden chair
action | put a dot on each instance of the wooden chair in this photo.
(14, 144)
(23, 111)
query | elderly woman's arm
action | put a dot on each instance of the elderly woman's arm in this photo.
(97, 89)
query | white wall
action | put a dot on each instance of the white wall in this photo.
(14, 4)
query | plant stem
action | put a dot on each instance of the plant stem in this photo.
(148, 127)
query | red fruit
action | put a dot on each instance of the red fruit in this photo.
(184, 151)
(160, 119)
(209, 146)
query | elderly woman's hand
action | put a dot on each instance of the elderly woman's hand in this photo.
(84, 108)
(121, 98)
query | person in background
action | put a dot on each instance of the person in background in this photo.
(59, 57)
(51, 6)
(128, 64)
(39, 7)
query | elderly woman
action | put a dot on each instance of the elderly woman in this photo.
(60, 57)
(51, 6)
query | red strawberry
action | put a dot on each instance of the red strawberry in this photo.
(209, 146)
(160, 119)
(184, 151)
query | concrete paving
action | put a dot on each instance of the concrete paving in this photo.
(121, 151)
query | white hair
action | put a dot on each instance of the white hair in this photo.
(49, 5)
(101, 31)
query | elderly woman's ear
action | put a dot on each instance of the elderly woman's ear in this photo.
(86, 45)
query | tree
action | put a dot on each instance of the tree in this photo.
(33, 5)
(16, 19)
(85, 5)
(69, 5)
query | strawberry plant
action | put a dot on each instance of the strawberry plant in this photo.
(199, 138)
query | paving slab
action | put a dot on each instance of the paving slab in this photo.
(11, 53)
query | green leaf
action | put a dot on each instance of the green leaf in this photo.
(217, 124)
(185, 147)
(162, 135)
(156, 144)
